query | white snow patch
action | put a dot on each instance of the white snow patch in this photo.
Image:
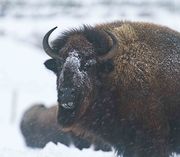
(73, 62)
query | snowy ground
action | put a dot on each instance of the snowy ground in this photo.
(23, 78)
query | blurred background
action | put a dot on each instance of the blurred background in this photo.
(23, 78)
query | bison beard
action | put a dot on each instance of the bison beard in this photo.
(39, 126)
(129, 89)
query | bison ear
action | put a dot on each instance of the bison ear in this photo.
(99, 39)
(51, 65)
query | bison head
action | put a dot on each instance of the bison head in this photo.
(81, 60)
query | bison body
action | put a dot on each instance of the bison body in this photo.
(120, 82)
(39, 126)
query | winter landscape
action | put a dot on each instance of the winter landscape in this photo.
(23, 77)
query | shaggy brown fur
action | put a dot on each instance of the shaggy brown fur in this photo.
(131, 100)
(39, 126)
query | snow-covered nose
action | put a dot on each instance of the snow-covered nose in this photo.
(72, 62)
(71, 75)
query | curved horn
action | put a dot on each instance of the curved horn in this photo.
(113, 49)
(52, 53)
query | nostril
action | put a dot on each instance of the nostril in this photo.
(60, 94)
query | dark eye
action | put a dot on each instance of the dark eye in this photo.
(89, 64)
(106, 67)
(51, 65)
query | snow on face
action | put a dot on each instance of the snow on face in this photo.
(73, 62)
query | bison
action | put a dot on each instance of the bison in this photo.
(39, 126)
(120, 82)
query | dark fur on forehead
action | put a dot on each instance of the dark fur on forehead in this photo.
(97, 37)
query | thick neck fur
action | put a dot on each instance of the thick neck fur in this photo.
(105, 105)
